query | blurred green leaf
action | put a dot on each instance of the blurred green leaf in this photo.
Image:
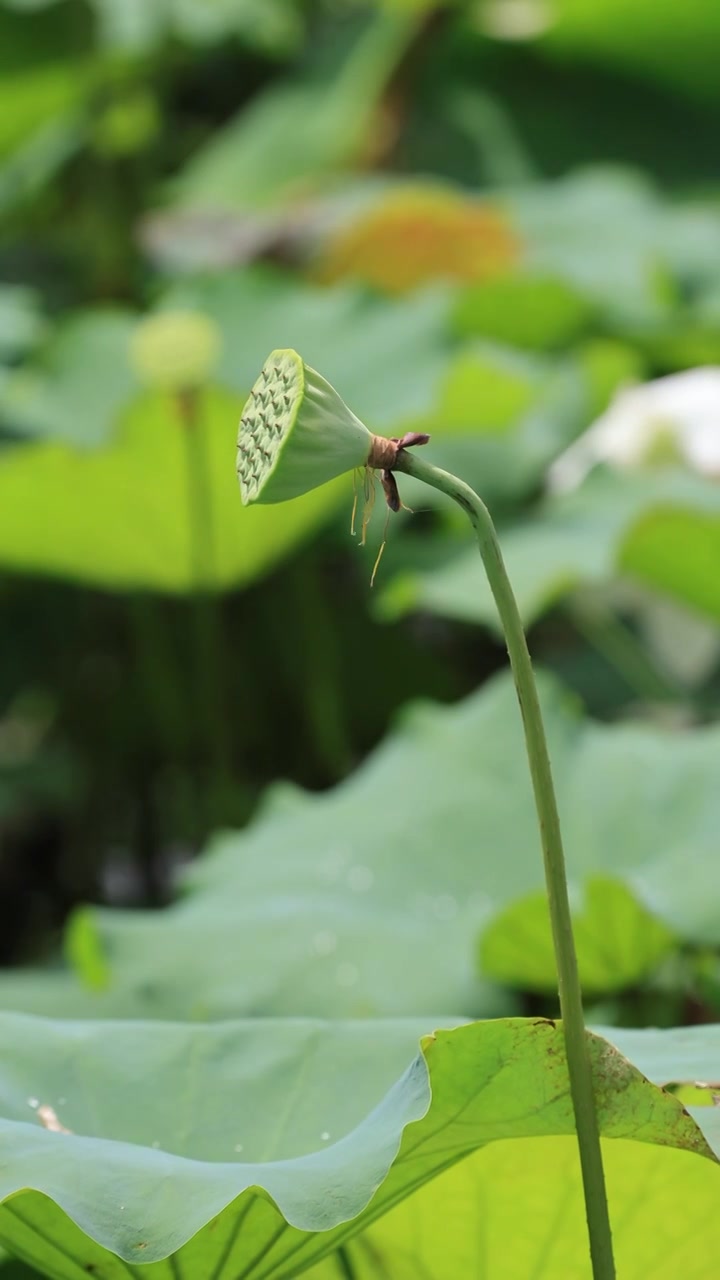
(295, 133)
(155, 1173)
(21, 322)
(677, 550)
(682, 343)
(571, 541)
(660, 527)
(609, 236)
(415, 6)
(36, 162)
(136, 26)
(81, 389)
(386, 358)
(535, 311)
(599, 246)
(609, 365)
(656, 39)
(127, 125)
(36, 96)
(487, 389)
(500, 416)
(83, 951)
(619, 941)
(82, 380)
(120, 516)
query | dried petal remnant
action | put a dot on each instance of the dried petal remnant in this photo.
(47, 1117)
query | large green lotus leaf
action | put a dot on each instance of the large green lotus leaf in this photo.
(257, 1148)
(661, 527)
(660, 40)
(500, 1215)
(315, 908)
(440, 821)
(662, 1211)
(386, 358)
(312, 952)
(123, 516)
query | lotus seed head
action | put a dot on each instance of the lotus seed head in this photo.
(175, 350)
(295, 432)
(266, 420)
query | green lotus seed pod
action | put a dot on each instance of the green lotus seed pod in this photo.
(295, 433)
(175, 350)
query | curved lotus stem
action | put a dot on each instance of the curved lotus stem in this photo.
(296, 433)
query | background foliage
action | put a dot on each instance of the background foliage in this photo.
(486, 220)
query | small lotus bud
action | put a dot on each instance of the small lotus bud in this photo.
(175, 350)
(295, 433)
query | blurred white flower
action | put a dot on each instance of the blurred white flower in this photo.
(672, 419)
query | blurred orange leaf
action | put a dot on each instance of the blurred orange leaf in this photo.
(419, 235)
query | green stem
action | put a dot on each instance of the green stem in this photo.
(578, 1059)
(316, 640)
(209, 647)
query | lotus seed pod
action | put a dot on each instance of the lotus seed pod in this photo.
(175, 350)
(295, 433)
